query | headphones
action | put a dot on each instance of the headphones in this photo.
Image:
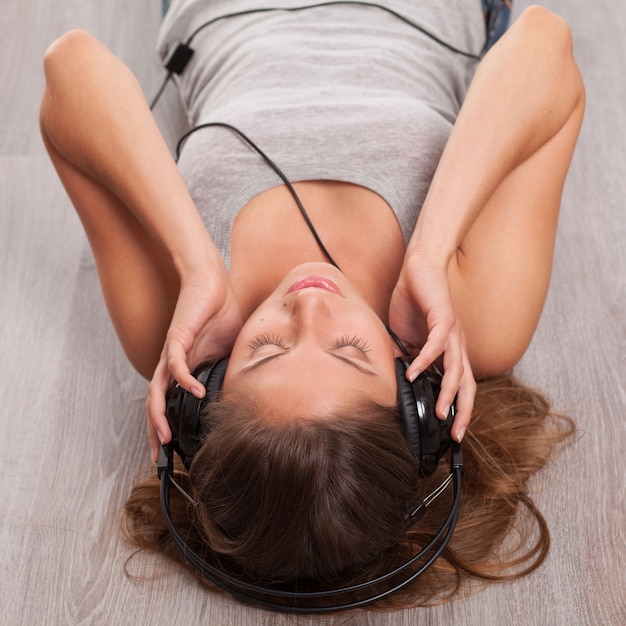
(427, 436)
(428, 439)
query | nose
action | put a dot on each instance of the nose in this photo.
(310, 306)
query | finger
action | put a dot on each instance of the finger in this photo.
(464, 406)
(155, 412)
(153, 439)
(464, 402)
(158, 427)
(159, 432)
(432, 349)
(453, 371)
(178, 367)
(155, 406)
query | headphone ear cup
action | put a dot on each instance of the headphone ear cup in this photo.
(427, 436)
(213, 380)
(183, 409)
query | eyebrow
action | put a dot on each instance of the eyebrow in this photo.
(360, 368)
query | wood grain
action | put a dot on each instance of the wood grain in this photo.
(72, 426)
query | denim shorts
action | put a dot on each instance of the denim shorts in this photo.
(497, 14)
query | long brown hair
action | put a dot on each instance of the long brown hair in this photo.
(323, 501)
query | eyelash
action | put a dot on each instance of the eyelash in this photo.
(264, 340)
(355, 342)
(345, 340)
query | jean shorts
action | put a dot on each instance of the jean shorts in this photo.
(497, 15)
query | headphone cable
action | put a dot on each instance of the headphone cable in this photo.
(183, 52)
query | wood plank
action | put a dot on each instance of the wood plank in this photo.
(72, 424)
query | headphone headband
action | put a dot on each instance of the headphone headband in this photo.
(427, 437)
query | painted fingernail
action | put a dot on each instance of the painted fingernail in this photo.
(459, 437)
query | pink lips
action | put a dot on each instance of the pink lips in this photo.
(315, 281)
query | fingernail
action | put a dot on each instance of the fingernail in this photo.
(459, 437)
(154, 455)
(446, 411)
(160, 436)
(196, 391)
(413, 376)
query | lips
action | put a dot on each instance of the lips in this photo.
(319, 282)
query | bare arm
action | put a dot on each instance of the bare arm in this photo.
(95, 114)
(478, 265)
(165, 284)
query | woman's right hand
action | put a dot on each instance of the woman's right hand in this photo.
(204, 326)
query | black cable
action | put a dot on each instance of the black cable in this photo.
(293, 193)
(317, 5)
(159, 93)
(276, 169)
(183, 53)
(239, 588)
(176, 64)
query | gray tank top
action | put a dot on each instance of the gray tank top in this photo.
(343, 92)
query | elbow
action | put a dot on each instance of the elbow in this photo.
(495, 357)
(547, 27)
(64, 63)
(60, 53)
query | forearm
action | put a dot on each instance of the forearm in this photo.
(96, 116)
(520, 97)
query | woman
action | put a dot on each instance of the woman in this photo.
(461, 203)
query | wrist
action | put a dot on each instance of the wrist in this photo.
(435, 249)
(197, 255)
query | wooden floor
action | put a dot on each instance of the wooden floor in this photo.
(72, 428)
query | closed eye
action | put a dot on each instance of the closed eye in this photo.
(355, 342)
(267, 340)
(274, 340)
(271, 357)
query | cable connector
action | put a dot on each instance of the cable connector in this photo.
(179, 59)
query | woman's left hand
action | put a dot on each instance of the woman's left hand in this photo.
(422, 315)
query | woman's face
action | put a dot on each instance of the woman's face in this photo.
(312, 345)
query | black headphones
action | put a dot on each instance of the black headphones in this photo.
(427, 436)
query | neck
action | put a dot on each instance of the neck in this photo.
(270, 238)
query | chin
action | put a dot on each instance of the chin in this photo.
(319, 267)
